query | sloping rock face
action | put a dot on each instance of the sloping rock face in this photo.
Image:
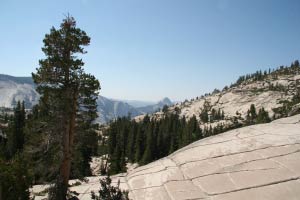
(238, 99)
(254, 162)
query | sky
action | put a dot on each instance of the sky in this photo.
(151, 49)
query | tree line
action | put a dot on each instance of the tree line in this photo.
(14, 174)
(274, 73)
(148, 140)
(142, 142)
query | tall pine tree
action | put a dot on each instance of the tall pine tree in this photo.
(16, 132)
(68, 94)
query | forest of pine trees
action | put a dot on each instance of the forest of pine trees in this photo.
(14, 174)
(142, 142)
(148, 140)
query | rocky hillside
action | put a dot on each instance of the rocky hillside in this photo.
(13, 89)
(255, 162)
(109, 109)
(239, 98)
(154, 108)
(272, 91)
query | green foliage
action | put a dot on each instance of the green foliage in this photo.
(251, 115)
(217, 115)
(204, 113)
(118, 138)
(61, 126)
(220, 128)
(277, 87)
(86, 139)
(15, 179)
(109, 192)
(259, 75)
(263, 116)
(42, 145)
(257, 118)
(148, 140)
(16, 130)
(149, 148)
(287, 107)
(86, 144)
(204, 116)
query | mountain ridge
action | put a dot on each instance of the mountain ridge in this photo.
(22, 88)
(18, 79)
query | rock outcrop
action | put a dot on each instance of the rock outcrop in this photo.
(270, 93)
(239, 98)
(254, 162)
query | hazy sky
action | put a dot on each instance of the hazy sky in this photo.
(149, 49)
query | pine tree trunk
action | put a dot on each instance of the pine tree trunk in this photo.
(64, 172)
(68, 141)
(67, 134)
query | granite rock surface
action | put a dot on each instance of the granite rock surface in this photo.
(255, 162)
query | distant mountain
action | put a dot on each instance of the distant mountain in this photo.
(110, 109)
(19, 80)
(138, 104)
(155, 107)
(13, 89)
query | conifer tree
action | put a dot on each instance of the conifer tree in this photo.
(251, 115)
(131, 141)
(140, 139)
(204, 116)
(67, 93)
(148, 153)
(182, 133)
(109, 192)
(263, 116)
(160, 141)
(194, 129)
(139, 145)
(16, 136)
(116, 161)
(174, 133)
(15, 179)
